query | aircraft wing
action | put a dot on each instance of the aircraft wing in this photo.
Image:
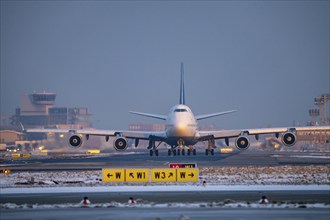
(162, 117)
(200, 117)
(236, 133)
(73, 131)
(144, 135)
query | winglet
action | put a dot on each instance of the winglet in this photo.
(182, 96)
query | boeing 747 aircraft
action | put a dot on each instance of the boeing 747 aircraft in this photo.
(181, 131)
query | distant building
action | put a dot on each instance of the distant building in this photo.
(37, 110)
(146, 127)
(10, 136)
(161, 127)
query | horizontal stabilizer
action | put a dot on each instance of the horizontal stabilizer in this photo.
(162, 117)
(200, 117)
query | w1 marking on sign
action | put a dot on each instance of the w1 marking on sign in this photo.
(137, 175)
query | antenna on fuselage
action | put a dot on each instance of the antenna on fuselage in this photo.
(182, 96)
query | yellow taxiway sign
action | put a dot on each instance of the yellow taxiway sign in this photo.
(163, 175)
(150, 175)
(187, 175)
(113, 175)
(137, 175)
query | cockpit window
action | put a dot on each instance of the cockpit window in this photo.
(180, 110)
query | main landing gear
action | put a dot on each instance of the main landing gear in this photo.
(171, 151)
(154, 152)
(153, 148)
(210, 147)
(181, 149)
(191, 150)
(209, 151)
(179, 152)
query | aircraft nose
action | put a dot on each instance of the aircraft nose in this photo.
(181, 130)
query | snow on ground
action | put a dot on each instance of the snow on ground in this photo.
(250, 175)
(305, 156)
(268, 175)
(223, 204)
(217, 179)
(162, 188)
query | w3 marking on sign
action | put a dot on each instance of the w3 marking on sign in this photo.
(163, 175)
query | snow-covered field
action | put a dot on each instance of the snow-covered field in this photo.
(224, 204)
(296, 175)
(217, 179)
(250, 175)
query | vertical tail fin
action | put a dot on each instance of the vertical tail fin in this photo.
(182, 96)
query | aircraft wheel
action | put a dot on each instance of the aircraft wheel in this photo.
(212, 151)
(178, 152)
(188, 152)
(207, 152)
(169, 152)
(151, 153)
(194, 151)
(174, 152)
(183, 152)
(156, 153)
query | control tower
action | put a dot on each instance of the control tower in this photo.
(37, 103)
(43, 98)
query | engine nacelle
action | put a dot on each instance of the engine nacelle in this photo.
(289, 139)
(120, 144)
(75, 141)
(242, 143)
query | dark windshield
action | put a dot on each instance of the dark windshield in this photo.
(180, 110)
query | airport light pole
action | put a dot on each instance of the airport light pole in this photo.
(314, 113)
(321, 102)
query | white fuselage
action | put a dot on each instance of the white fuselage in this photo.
(181, 125)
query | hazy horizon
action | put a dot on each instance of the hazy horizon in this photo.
(267, 59)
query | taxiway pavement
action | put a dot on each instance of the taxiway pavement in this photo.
(142, 159)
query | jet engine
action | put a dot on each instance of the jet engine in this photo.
(242, 143)
(75, 141)
(120, 144)
(289, 139)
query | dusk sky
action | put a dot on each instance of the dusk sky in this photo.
(267, 59)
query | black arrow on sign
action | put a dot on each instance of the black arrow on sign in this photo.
(131, 175)
(191, 175)
(109, 175)
(171, 174)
